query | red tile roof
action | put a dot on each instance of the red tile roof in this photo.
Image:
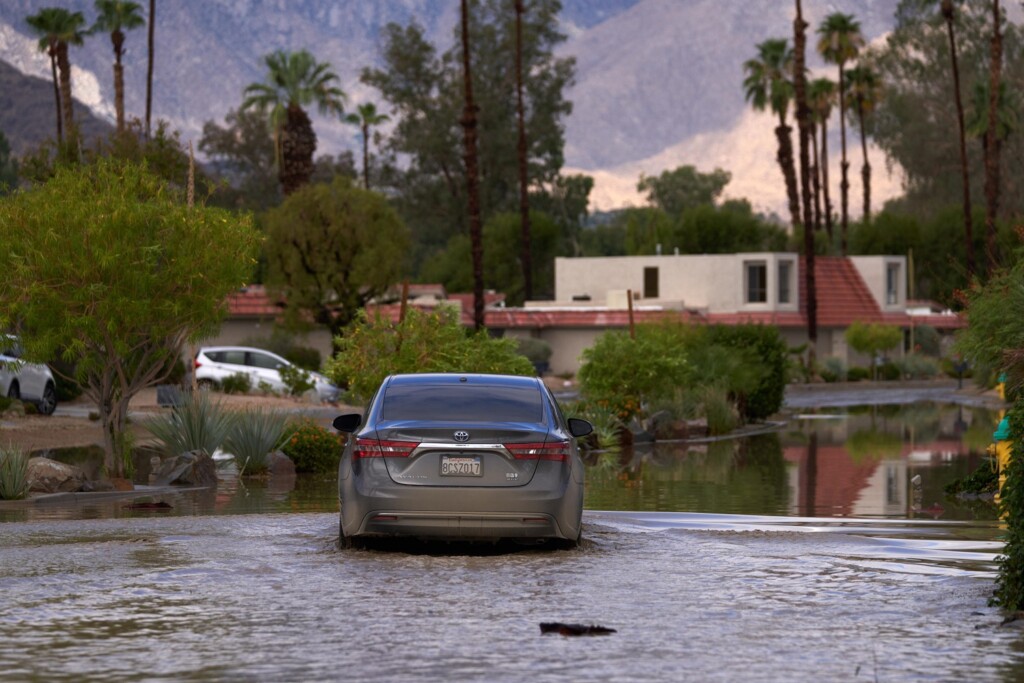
(252, 302)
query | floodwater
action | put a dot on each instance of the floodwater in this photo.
(809, 554)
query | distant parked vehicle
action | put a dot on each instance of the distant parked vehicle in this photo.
(31, 382)
(213, 364)
(461, 457)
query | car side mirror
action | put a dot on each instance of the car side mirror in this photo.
(348, 423)
(578, 427)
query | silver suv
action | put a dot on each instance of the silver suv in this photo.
(31, 382)
(213, 364)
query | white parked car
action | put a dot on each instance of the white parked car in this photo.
(215, 363)
(31, 382)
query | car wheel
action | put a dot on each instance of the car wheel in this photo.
(49, 401)
(14, 391)
(206, 385)
(348, 542)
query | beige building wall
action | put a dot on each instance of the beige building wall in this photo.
(874, 271)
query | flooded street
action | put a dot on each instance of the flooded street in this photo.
(806, 554)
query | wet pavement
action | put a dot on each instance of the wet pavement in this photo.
(693, 597)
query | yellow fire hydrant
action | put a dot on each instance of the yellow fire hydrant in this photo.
(1002, 451)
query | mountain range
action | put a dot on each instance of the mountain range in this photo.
(658, 84)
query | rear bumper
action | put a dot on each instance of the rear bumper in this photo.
(538, 510)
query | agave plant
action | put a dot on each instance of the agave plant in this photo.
(13, 473)
(255, 434)
(195, 424)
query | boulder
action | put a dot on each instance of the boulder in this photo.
(195, 468)
(279, 464)
(49, 476)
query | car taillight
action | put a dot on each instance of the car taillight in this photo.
(372, 448)
(197, 363)
(557, 450)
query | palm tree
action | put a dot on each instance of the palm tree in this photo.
(149, 63)
(61, 28)
(366, 116)
(821, 97)
(803, 115)
(992, 140)
(767, 86)
(865, 86)
(839, 41)
(44, 24)
(117, 16)
(469, 122)
(526, 255)
(294, 80)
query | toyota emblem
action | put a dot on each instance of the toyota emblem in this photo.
(461, 436)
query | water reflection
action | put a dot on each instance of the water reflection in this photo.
(849, 462)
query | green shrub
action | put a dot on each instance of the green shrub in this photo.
(236, 383)
(857, 374)
(371, 349)
(833, 369)
(983, 480)
(768, 347)
(535, 350)
(949, 368)
(927, 340)
(255, 433)
(195, 424)
(5, 403)
(623, 374)
(266, 388)
(889, 372)
(312, 448)
(917, 366)
(873, 338)
(718, 410)
(607, 424)
(13, 473)
(1009, 593)
(306, 357)
(296, 380)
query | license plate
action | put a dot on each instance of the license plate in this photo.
(461, 466)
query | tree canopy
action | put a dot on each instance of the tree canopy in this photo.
(106, 264)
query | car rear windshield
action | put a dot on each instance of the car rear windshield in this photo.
(463, 403)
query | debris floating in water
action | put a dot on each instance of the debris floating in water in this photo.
(575, 629)
(161, 505)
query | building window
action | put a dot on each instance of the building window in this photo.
(650, 283)
(785, 282)
(892, 283)
(757, 282)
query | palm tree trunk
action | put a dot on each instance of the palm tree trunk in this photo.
(865, 170)
(366, 155)
(117, 38)
(824, 180)
(803, 114)
(149, 65)
(816, 177)
(298, 143)
(64, 65)
(56, 93)
(992, 142)
(947, 11)
(468, 122)
(844, 166)
(524, 198)
(788, 166)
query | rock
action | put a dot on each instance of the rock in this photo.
(97, 486)
(195, 468)
(575, 629)
(121, 484)
(279, 464)
(49, 476)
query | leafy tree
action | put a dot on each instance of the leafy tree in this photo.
(865, 91)
(683, 188)
(768, 86)
(330, 249)
(370, 349)
(117, 16)
(134, 276)
(728, 229)
(242, 151)
(424, 88)
(8, 167)
(839, 42)
(870, 338)
(294, 80)
(366, 117)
